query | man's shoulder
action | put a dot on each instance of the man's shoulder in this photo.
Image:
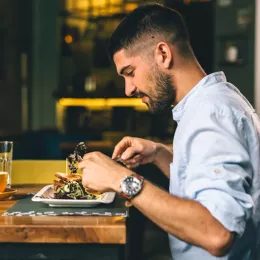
(219, 99)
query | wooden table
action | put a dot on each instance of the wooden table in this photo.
(57, 237)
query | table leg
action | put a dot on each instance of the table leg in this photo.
(135, 235)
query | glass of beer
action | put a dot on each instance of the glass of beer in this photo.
(6, 157)
(3, 180)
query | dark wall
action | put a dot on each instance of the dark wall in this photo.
(235, 25)
(12, 37)
(200, 20)
(26, 101)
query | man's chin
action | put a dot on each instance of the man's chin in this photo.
(155, 111)
(151, 110)
(158, 111)
(148, 106)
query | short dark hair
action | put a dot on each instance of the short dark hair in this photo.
(150, 24)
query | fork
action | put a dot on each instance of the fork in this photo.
(119, 160)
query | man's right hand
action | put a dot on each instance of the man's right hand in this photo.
(135, 151)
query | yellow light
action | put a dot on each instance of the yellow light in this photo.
(99, 3)
(82, 4)
(101, 103)
(96, 104)
(130, 7)
(68, 39)
(124, 102)
(116, 2)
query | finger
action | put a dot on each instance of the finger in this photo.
(83, 164)
(87, 156)
(87, 189)
(136, 159)
(130, 153)
(121, 147)
(132, 166)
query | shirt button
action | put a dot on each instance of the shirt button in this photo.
(217, 171)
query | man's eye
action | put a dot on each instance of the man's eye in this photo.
(131, 73)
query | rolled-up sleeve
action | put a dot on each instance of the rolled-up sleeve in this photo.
(219, 172)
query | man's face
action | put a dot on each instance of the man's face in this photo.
(146, 81)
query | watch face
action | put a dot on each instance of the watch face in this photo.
(131, 185)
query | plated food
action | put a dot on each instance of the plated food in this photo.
(67, 189)
(69, 186)
(76, 157)
(46, 195)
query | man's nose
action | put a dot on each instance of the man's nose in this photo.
(130, 88)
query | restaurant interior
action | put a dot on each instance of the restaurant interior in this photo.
(59, 88)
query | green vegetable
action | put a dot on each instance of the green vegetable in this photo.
(75, 190)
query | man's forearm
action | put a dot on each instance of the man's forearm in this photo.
(185, 219)
(163, 158)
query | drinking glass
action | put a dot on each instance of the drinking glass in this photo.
(6, 157)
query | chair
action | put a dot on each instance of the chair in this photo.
(36, 171)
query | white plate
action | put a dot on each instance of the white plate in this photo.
(45, 195)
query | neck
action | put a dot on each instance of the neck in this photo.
(186, 78)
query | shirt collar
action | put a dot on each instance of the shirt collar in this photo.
(208, 80)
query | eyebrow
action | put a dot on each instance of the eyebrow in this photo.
(122, 71)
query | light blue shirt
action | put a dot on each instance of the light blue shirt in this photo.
(217, 163)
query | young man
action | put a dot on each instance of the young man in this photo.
(212, 208)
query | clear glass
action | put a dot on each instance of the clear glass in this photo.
(6, 158)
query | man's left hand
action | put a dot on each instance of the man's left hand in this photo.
(101, 173)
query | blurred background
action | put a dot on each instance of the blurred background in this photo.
(58, 86)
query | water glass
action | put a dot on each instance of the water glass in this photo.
(6, 157)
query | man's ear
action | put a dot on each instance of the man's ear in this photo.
(163, 55)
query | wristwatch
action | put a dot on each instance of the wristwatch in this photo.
(131, 185)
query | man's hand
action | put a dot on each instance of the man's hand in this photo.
(101, 173)
(135, 151)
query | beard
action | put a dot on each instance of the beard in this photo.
(163, 93)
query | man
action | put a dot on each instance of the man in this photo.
(212, 208)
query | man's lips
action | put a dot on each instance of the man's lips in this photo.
(139, 95)
(145, 99)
